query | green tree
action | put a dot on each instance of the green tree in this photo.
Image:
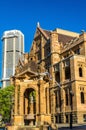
(6, 96)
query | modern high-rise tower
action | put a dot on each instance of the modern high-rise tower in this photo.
(13, 49)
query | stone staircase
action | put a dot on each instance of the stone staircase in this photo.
(44, 127)
(27, 128)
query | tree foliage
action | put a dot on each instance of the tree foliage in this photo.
(6, 96)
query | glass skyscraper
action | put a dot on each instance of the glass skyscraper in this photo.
(13, 49)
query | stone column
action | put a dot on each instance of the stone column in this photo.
(38, 100)
(62, 72)
(26, 106)
(31, 105)
(21, 108)
(42, 98)
(47, 101)
(19, 104)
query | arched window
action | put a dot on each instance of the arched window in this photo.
(82, 97)
(80, 72)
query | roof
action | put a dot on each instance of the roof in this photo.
(43, 32)
(64, 38)
(30, 66)
(63, 35)
(66, 32)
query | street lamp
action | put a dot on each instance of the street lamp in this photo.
(71, 104)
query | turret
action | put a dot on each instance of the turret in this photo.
(55, 47)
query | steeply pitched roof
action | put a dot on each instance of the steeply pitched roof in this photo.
(30, 66)
(64, 38)
(61, 37)
(43, 32)
(47, 32)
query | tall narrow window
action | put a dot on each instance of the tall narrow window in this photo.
(56, 100)
(67, 69)
(67, 73)
(66, 97)
(80, 72)
(57, 76)
(82, 97)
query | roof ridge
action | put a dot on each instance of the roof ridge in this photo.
(42, 31)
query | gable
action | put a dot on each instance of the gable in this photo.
(27, 70)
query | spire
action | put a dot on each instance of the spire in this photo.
(38, 24)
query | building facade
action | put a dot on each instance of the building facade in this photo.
(59, 81)
(13, 49)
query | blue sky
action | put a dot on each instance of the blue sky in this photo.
(24, 15)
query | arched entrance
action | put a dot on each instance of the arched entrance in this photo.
(29, 106)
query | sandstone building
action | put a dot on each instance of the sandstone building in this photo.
(50, 84)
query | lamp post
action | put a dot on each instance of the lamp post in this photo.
(71, 104)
